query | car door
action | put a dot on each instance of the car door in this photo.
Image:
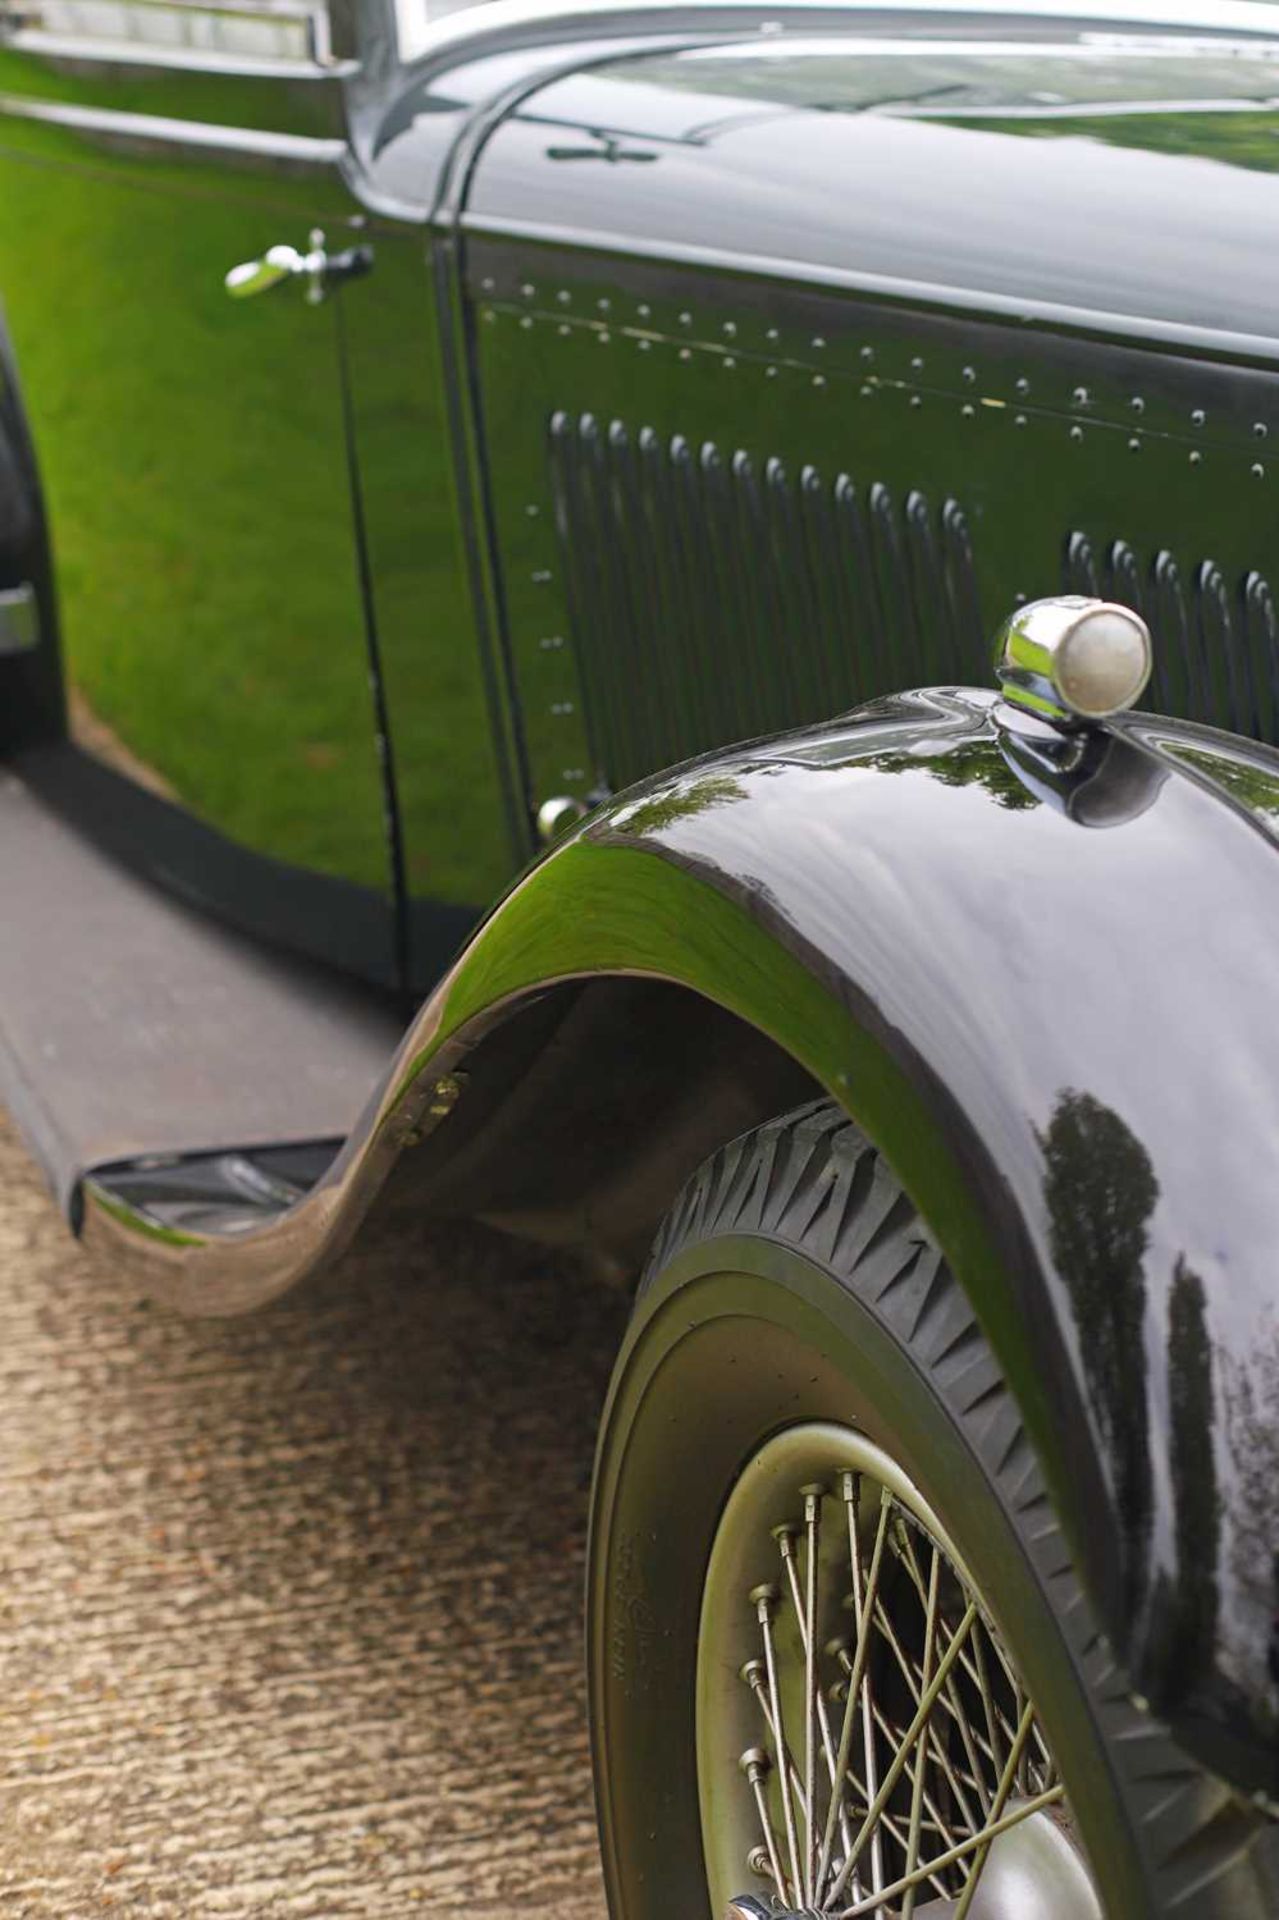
(192, 450)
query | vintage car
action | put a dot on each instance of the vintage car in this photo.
(428, 441)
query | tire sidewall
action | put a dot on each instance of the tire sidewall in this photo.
(735, 1338)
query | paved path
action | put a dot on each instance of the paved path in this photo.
(289, 1605)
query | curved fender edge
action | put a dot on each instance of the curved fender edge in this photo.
(1041, 978)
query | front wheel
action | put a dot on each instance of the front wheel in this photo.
(840, 1660)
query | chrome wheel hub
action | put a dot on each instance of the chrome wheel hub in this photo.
(865, 1743)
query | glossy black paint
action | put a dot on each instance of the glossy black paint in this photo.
(758, 459)
(863, 364)
(263, 599)
(1116, 189)
(981, 946)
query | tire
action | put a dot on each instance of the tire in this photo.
(794, 1295)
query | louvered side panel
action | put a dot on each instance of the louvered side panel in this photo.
(717, 594)
(1216, 639)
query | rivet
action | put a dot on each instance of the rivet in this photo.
(1137, 404)
(1259, 429)
(686, 353)
(915, 400)
(1080, 396)
(550, 642)
(564, 329)
(1019, 419)
(564, 297)
(970, 375)
(968, 410)
(604, 305)
(528, 289)
(1258, 471)
(531, 512)
(770, 373)
(1134, 445)
(1023, 385)
(1076, 433)
(867, 390)
(818, 342)
(644, 310)
(729, 363)
(604, 336)
(868, 353)
(447, 1090)
(917, 363)
(487, 286)
(644, 345)
(527, 321)
(819, 379)
(772, 334)
(489, 315)
(561, 707)
(1198, 417)
(686, 319)
(1196, 457)
(540, 576)
(730, 328)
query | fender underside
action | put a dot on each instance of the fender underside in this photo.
(1039, 978)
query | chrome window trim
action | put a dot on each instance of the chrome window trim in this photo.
(136, 53)
(449, 39)
(301, 149)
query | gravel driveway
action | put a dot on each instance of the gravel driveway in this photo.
(290, 1605)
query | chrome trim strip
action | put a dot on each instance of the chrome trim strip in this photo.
(446, 41)
(303, 149)
(136, 53)
(997, 306)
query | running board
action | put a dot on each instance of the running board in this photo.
(140, 1039)
(196, 1196)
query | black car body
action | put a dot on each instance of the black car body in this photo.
(646, 379)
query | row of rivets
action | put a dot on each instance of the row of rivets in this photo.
(1081, 395)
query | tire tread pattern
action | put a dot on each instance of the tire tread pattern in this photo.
(812, 1181)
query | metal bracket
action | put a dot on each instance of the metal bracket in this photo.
(19, 619)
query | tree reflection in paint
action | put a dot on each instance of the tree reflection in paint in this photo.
(1252, 1435)
(1101, 1189)
(969, 764)
(665, 810)
(1192, 1415)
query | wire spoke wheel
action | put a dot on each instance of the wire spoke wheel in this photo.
(865, 1744)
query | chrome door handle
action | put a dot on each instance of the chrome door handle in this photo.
(319, 269)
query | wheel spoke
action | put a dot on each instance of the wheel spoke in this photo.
(1002, 1792)
(860, 1658)
(765, 1599)
(812, 1528)
(916, 1797)
(894, 1770)
(962, 1851)
(896, 1785)
(951, 1697)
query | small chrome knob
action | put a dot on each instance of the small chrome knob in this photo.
(1071, 659)
(556, 815)
(319, 269)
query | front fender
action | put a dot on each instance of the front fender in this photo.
(1042, 981)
